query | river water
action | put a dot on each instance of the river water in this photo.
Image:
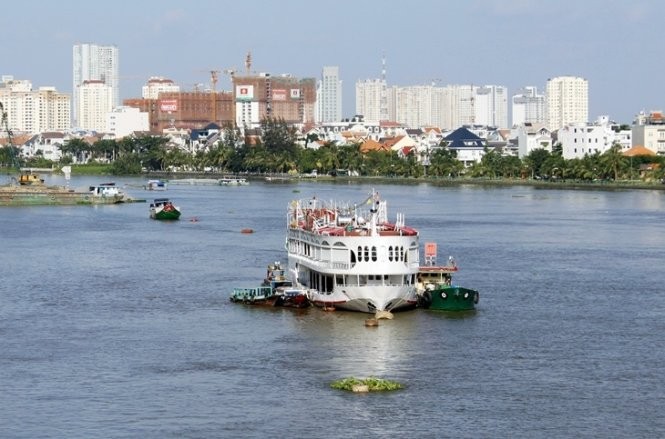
(114, 325)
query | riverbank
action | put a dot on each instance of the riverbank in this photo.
(559, 184)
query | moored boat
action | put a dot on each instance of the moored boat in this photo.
(286, 294)
(29, 189)
(109, 192)
(156, 185)
(262, 295)
(276, 276)
(42, 195)
(164, 209)
(233, 181)
(290, 297)
(435, 289)
(349, 256)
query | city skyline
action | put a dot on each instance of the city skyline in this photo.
(514, 44)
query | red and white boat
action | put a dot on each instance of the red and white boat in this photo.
(350, 256)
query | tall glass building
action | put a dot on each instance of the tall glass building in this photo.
(92, 62)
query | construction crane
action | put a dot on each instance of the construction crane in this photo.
(214, 76)
(28, 178)
(5, 126)
(248, 63)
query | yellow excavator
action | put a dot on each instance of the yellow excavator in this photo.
(25, 178)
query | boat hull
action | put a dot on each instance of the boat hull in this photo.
(24, 196)
(449, 298)
(367, 299)
(163, 215)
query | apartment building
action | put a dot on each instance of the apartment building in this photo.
(329, 96)
(528, 106)
(93, 62)
(567, 101)
(34, 111)
(649, 131)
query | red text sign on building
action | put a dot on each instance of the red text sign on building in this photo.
(168, 105)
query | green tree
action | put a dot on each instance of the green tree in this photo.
(277, 136)
(612, 160)
(534, 161)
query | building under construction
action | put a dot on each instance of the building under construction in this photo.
(262, 96)
(191, 110)
(254, 97)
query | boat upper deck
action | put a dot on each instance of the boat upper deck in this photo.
(368, 218)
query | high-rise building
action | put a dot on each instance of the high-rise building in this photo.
(490, 107)
(528, 107)
(92, 62)
(373, 96)
(369, 96)
(329, 96)
(566, 101)
(283, 97)
(94, 103)
(34, 111)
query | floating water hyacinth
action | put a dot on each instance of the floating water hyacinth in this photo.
(370, 384)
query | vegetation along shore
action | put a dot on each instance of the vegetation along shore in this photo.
(280, 153)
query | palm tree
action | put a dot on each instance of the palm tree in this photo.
(613, 159)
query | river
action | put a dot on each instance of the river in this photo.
(113, 325)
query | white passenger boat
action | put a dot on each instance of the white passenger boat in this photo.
(350, 256)
(233, 181)
(156, 185)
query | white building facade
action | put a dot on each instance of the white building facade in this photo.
(95, 100)
(491, 106)
(123, 121)
(649, 132)
(528, 107)
(566, 101)
(532, 136)
(580, 139)
(370, 95)
(34, 111)
(157, 85)
(329, 96)
(98, 63)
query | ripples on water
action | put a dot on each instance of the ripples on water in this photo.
(114, 325)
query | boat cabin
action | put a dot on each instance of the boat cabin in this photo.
(105, 190)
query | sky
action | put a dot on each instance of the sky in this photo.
(614, 44)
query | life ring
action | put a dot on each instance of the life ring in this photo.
(476, 297)
(444, 296)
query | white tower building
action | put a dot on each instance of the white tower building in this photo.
(369, 98)
(96, 63)
(567, 101)
(329, 96)
(491, 106)
(95, 102)
(528, 107)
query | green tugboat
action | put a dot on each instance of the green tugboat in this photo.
(164, 209)
(435, 290)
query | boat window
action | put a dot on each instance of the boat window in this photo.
(353, 256)
(390, 253)
(366, 254)
(373, 254)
